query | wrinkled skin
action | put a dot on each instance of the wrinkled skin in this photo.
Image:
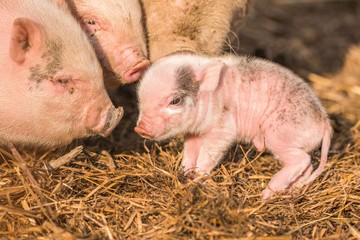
(217, 101)
(49, 95)
(116, 32)
(187, 25)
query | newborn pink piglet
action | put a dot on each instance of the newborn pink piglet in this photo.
(218, 101)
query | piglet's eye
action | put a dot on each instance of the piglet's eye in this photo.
(175, 101)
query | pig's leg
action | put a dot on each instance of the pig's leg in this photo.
(213, 147)
(191, 152)
(295, 162)
(259, 142)
(299, 182)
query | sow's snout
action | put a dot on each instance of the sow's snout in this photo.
(135, 73)
(112, 119)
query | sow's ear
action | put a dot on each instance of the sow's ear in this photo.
(209, 75)
(26, 37)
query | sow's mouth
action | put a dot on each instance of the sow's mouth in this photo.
(112, 120)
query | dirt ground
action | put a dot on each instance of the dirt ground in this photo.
(123, 187)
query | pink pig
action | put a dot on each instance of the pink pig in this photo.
(51, 84)
(115, 30)
(218, 101)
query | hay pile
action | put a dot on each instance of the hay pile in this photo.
(143, 195)
(146, 197)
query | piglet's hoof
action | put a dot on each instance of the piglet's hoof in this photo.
(190, 174)
(196, 175)
(267, 193)
(201, 176)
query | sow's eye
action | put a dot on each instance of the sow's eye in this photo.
(90, 22)
(176, 101)
(63, 80)
(91, 25)
(63, 84)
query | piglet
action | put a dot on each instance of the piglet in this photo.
(218, 101)
(115, 29)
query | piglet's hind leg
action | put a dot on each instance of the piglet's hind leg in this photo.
(296, 162)
(301, 180)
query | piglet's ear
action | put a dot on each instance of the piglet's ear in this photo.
(26, 38)
(209, 75)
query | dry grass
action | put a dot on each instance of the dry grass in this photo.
(146, 197)
(143, 195)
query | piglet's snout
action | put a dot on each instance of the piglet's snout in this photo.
(143, 130)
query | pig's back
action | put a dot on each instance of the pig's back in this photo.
(267, 92)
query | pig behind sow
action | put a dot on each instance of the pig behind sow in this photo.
(217, 101)
(115, 29)
(51, 86)
(198, 26)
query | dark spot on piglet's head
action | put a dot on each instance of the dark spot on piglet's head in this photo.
(185, 79)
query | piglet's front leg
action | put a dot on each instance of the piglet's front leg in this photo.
(191, 153)
(213, 146)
